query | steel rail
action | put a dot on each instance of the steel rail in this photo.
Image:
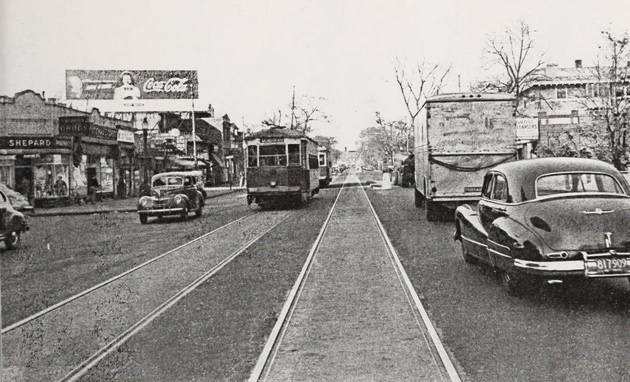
(93, 360)
(111, 280)
(269, 351)
(415, 300)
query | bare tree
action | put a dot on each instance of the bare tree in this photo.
(383, 140)
(426, 80)
(307, 110)
(607, 100)
(513, 50)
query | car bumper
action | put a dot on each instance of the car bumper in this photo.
(162, 211)
(569, 268)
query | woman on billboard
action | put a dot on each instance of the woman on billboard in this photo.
(128, 88)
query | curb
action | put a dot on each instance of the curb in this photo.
(37, 214)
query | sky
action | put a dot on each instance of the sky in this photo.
(250, 55)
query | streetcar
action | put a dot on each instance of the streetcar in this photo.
(324, 166)
(282, 167)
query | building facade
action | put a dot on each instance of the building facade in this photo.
(52, 153)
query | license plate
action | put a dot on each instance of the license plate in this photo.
(608, 265)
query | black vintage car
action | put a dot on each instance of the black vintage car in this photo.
(172, 193)
(12, 223)
(549, 220)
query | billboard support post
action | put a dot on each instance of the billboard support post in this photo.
(194, 134)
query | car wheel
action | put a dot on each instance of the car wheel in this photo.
(13, 240)
(143, 219)
(419, 198)
(184, 214)
(199, 208)
(517, 286)
(468, 258)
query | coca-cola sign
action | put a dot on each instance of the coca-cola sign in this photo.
(129, 85)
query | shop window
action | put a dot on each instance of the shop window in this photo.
(50, 176)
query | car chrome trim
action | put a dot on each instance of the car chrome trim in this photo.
(550, 266)
(499, 245)
(160, 211)
(499, 253)
(473, 241)
(598, 211)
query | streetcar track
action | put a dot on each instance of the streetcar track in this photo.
(113, 279)
(267, 357)
(414, 301)
(270, 350)
(104, 351)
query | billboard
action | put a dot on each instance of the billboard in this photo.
(122, 85)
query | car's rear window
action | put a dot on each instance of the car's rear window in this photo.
(556, 184)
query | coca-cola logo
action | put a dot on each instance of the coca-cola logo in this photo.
(172, 85)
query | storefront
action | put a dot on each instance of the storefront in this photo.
(95, 151)
(52, 154)
(37, 167)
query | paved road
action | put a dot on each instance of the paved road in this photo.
(572, 333)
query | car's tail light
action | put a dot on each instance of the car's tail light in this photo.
(558, 255)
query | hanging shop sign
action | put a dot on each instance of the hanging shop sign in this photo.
(126, 136)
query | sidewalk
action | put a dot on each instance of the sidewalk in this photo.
(114, 205)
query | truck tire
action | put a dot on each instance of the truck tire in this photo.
(419, 198)
(434, 211)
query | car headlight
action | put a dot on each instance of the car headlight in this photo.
(144, 201)
(273, 183)
(178, 199)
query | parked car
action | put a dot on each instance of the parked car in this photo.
(549, 220)
(172, 193)
(12, 223)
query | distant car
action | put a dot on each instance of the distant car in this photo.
(172, 193)
(549, 219)
(12, 223)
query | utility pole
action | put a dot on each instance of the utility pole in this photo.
(293, 107)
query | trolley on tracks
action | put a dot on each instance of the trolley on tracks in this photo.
(282, 167)
(324, 166)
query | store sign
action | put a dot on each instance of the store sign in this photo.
(126, 136)
(103, 132)
(131, 84)
(74, 126)
(527, 129)
(28, 143)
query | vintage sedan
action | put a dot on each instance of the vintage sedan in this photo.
(12, 223)
(549, 220)
(172, 193)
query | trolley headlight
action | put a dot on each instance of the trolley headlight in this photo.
(177, 199)
(273, 183)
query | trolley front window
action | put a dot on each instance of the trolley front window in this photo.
(294, 154)
(273, 155)
(252, 156)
